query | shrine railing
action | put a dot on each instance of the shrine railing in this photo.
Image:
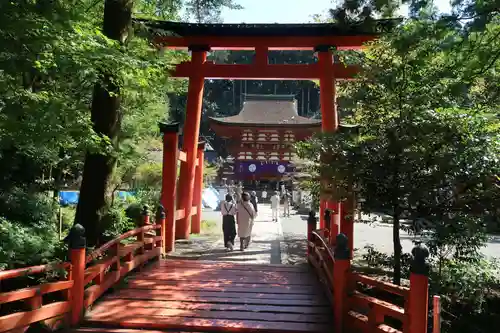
(85, 278)
(364, 304)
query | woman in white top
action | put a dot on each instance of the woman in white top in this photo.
(275, 205)
(246, 215)
(228, 210)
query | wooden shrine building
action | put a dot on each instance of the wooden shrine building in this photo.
(261, 137)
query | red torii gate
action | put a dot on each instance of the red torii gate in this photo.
(262, 38)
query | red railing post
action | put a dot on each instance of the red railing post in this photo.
(419, 290)
(312, 223)
(347, 221)
(436, 317)
(169, 181)
(161, 220)
(198, 189)
(341, 271)
(77, 244)
(328, 220)
(145, 216)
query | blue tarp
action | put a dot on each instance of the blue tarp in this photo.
(68, 197)
(209, 197)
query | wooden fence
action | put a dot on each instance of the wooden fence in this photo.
(88, 276)
(362, 304)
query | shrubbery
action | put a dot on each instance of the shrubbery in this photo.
(468, 289)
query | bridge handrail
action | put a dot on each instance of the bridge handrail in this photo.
(360, 310)
(369, 312)
(99, 251)
(95, 277)
(24, 271)
(322, 258)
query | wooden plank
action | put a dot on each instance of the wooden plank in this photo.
(218, 286)
(182, 156)
(113, 330)
(211, 325)
(110, 303)
(42, 289)
(164, 295)
(123, 250)
(119, 314)
(233, 266)
(94, 292)
(230, 271)
(228, 294)
(227, 278)
(138, 260)
(180, 214)
(98, 267)
(20, 319)
(386, 286)
(374, 304)
(360, 322)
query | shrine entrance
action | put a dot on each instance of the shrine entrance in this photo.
(200, 39)
(208, 296)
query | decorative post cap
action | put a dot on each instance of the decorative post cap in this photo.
(199, 48)
(145, 210)
(160, 212)
(349, 128)
(169, 128)
(341, 251)
(312, 218)
(201, 145)
(76, 237)
(419, 264)
(324, 48)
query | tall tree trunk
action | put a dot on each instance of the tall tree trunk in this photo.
(395, 148)
(106, 118)
(396, 279)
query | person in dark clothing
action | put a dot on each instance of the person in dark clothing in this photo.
(254, 200)
(228, 211)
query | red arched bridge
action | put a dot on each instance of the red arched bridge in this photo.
(126, 286)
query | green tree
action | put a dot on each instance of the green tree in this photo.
(428, 145)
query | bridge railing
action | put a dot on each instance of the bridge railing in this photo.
(87, 276)
(361, 303)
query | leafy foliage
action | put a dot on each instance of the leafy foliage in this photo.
(53, 54)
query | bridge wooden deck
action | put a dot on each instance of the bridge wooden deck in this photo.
(215, 296)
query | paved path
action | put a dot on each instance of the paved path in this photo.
(285, 241)
(268, 246)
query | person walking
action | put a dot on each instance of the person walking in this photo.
(238, 192)
(246, 216)
(275, 205)
(228, 211)
(264, 195)
(254, 200)
(286, 204)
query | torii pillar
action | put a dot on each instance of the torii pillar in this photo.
(329, 116)
(190, 138)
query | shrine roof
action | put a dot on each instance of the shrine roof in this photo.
(374, 27)
(268, 110)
